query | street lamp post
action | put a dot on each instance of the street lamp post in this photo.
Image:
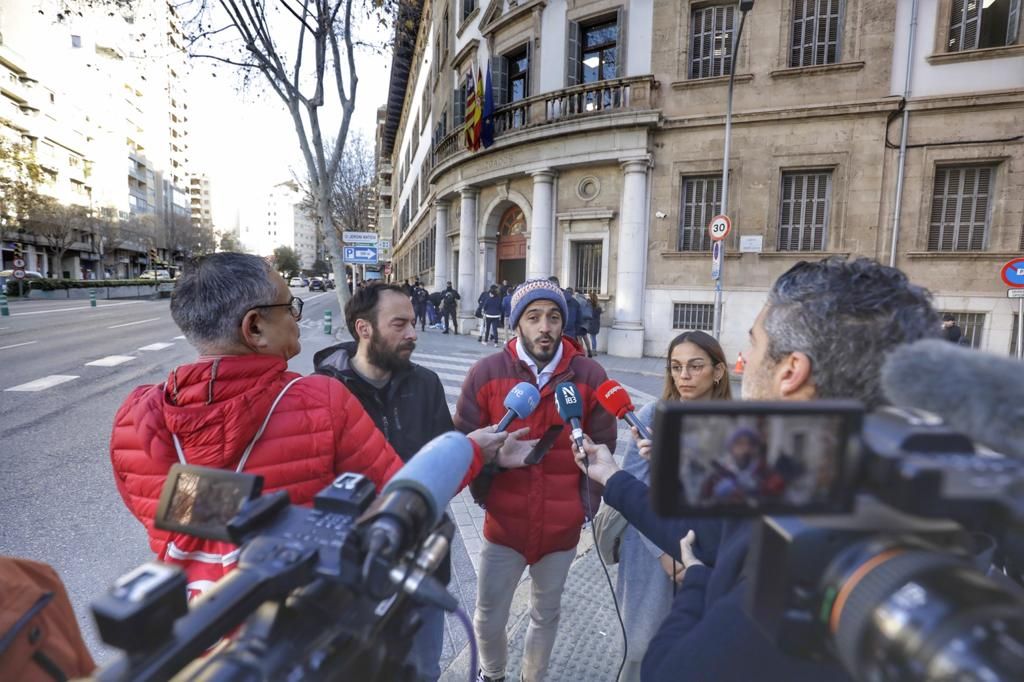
(745, 6)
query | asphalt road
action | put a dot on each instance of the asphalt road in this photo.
(58, 502)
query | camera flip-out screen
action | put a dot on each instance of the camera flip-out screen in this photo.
(200, 501)
(745, 458)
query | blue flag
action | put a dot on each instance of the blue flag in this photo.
(487, 134)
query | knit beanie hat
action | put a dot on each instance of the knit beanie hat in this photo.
(534, 290)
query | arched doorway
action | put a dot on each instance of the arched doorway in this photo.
(512, 246)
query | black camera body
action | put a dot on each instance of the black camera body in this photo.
(872, 549)
(313, 601)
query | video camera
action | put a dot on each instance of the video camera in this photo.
(319, 593)
(885, 540)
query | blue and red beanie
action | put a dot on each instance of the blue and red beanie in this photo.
(534, 290)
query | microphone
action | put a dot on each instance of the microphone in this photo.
(520, 402)
(976, 393)
(570, 408)
(414, 500)
(614, 398)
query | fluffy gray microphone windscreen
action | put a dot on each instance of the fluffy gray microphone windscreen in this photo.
(976, 393)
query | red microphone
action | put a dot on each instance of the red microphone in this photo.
(614, 398)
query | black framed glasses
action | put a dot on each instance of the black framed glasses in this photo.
(294, 306)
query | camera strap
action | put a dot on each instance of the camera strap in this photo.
(252, 443)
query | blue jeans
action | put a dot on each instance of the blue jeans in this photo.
(425, 653)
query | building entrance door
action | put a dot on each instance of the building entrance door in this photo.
(512, 246)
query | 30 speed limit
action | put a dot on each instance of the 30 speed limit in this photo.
(719, 227)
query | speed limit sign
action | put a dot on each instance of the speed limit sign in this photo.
(719, 227)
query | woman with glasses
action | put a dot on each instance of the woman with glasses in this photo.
(694, 370)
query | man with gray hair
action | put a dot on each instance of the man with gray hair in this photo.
(237, 407)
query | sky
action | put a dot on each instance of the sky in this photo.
(243, 136)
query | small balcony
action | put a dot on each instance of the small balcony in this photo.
(604, 98)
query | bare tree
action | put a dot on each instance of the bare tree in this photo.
(305, 50)
(351, 191)
(109, 229)
(59, 225)
(19, 176)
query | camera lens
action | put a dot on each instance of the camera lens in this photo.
(900, 610)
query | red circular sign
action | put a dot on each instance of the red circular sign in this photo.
(719, 227)
(19, 274)
(1013, 273)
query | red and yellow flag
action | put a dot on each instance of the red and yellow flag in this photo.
(474, 116)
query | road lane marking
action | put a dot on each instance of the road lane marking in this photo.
(81, 307)
(18, 345)
(179, 338)
(157, 346)
(311, 298)
(110, 361)
(43, 384)
(129, 324)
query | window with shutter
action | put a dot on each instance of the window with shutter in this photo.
(979, 24)
(701, 200)
(517, 74)
(499, 80)
(711, 41)
(817, 25)
(960, 208)
(459, 105)
(599, 57)
(572, 55)
(804, 210)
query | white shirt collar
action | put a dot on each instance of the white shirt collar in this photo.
(543, 375)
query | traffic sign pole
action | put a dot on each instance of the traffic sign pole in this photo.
(1020, 328)
(1012, 274)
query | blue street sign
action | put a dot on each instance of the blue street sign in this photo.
(716, 260)
(360, 255)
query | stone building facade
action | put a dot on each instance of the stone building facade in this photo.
(609, 135)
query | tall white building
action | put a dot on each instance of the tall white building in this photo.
(281, 220)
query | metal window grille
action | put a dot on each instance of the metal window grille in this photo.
(690, 316)
(960, 202)
(804, 210)
(711, 42)
(700, 201)
(971, 325)
(816, 29)
(587, 257)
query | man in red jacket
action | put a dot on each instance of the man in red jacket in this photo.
(239, 408)
(534, 513)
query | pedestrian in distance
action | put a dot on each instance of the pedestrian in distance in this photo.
(534, 514)
(506, 312)
(298, 432)
(594, 328)
(491, 309)
(406, 402)
(695, 369)
(449, 308)
(420, 301)
(951, 331)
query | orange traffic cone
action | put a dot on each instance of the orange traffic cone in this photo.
(740, 364)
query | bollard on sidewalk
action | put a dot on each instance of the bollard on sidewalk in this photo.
(92, 297)
(4, 310)
(327, 322)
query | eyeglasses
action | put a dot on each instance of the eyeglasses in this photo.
(693, 368)
(294, 305)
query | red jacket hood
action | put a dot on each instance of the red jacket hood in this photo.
(215, 406)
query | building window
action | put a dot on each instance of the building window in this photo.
(971, 325)
(977, 24)
(711, 45)
(960, 208)
(701, 201)
(816, 28)
(587, 259)
(467, 8)
(690, 316)
(518, 75)
(76, 41)
(804, 210)
(599, 53)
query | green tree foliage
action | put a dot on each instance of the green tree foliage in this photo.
(286, 260)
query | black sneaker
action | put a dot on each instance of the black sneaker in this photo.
(480, 677)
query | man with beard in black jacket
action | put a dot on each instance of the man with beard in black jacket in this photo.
(406, 401)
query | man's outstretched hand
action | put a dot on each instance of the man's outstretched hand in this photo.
(601, 463)
(514, 452)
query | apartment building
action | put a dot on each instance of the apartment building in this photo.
(282, 220)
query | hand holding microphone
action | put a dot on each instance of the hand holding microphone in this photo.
(595, 460)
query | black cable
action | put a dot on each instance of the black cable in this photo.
(903, 105)
(607, 576)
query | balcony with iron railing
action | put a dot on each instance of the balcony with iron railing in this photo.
(554, 113)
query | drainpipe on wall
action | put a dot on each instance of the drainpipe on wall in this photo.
(901, 162)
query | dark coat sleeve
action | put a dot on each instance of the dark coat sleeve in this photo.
(633, 500)
(442, 418)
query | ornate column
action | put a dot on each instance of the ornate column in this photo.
(467, 258)
(441, 246)
(539, 255)
(626, 337)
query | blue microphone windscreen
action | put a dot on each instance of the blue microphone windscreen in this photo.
(523, 399)
(436, 471)
(569, 401)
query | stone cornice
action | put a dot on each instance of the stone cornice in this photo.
(467, 50)
(497, 22)
(789, 113)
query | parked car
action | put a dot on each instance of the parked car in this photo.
(6, 275)
(156, 274)
(316, 284)
(296, 282)
(330, 283)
